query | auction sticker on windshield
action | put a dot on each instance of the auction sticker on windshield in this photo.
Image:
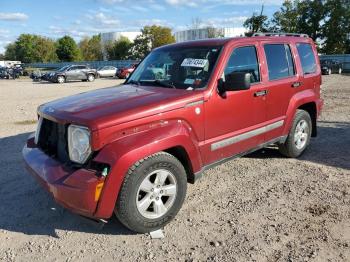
(191, 62)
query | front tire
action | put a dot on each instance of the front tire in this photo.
(299, 135)
(152, 193)
(61, 79)
(90, 78)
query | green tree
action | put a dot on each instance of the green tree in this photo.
(119, 49)
(26, 49)
(336, 28)
(2, 57)
(151, 37)
(312, 13)
(286, 19)
(67, 49)
(256, 23)
(300, 17)
(46, 50)
(30, 48)
(10, 52)
(91, 48)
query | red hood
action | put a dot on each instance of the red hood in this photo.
(115, 105)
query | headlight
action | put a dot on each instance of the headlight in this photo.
(79, 143)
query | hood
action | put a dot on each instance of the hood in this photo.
(115, 105)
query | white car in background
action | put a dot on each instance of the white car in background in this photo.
(107, 71)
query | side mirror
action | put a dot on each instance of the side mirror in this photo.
(235, 81)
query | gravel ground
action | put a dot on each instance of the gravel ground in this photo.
(261, 207)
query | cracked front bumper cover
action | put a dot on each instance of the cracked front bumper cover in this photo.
(74, 189)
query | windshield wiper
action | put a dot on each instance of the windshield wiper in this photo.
(163, 84)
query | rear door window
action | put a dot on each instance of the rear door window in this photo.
(307, 58)
(279, 61)
(244, 59)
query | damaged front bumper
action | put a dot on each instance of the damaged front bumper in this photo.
(75, 189)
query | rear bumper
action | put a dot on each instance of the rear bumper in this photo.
(71, 188)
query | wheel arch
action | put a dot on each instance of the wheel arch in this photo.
(121, 158)
(181, 154)
(312, 110)
(304, 100)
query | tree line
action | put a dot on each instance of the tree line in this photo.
(31, 48)
(327, 22)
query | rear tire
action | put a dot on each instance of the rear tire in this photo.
(152, 193)
(299, 135)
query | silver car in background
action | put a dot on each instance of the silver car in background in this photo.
(107, 71)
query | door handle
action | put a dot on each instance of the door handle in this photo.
(296, 84)
(260, 93)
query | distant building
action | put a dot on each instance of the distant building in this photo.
(115, 36)
(204, 33)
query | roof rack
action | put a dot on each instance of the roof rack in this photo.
(281, 34)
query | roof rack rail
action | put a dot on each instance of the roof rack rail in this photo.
(281, 34)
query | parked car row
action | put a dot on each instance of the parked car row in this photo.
(329, 67)
(83, 73)
(125, 72)
(107, 71)
(11, 72)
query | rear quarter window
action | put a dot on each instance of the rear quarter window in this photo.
(307, 58)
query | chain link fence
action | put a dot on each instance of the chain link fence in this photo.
(92, 64)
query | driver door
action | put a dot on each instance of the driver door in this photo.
(234, 120)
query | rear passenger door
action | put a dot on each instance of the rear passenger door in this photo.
(280, 80)
(81, 73)
(70, 73)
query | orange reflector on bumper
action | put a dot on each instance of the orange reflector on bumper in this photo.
(98, 190)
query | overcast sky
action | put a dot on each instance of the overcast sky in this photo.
(80, 18)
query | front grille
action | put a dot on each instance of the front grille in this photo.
(53, 140)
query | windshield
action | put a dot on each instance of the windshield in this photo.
(62, 68)
(177, 67)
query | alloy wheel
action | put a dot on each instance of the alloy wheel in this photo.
(60, 79)
(156, 194)
(301, 134)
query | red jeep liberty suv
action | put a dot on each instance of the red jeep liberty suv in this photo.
(131, 149)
